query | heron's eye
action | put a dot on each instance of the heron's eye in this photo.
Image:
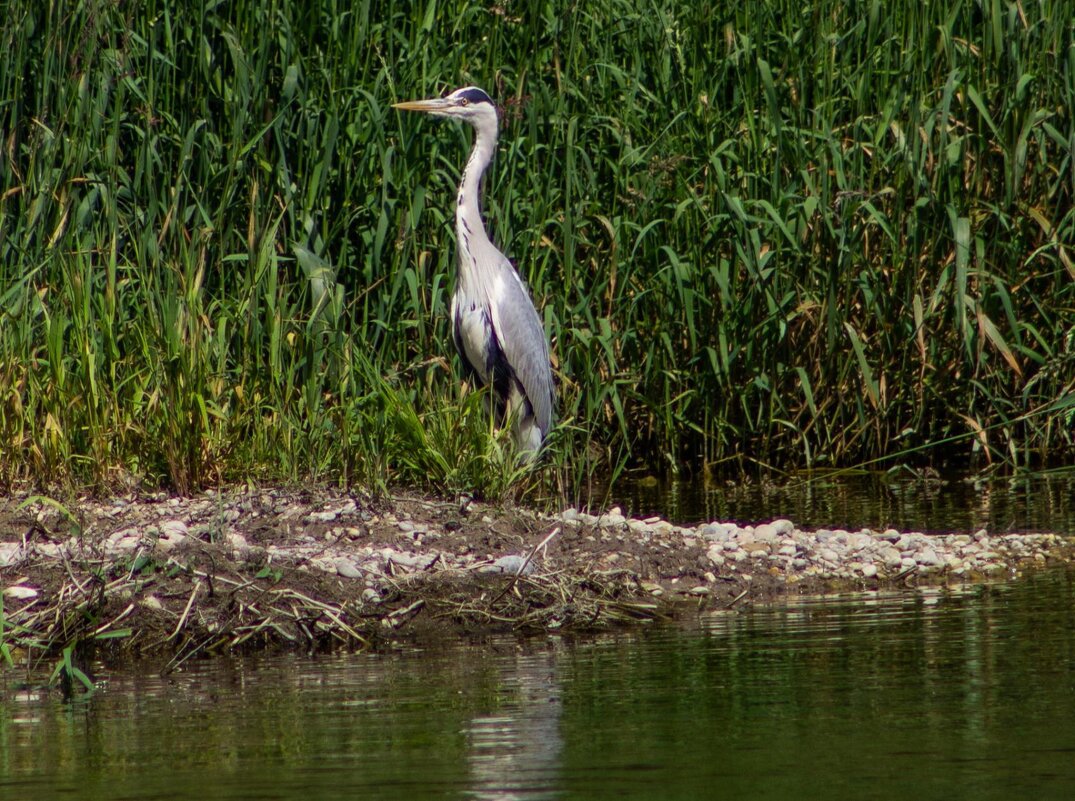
(463, 101)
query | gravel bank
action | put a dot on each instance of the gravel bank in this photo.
(317, 568)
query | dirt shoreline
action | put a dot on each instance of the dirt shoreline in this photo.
(316, 568)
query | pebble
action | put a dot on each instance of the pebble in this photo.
(715, 532)
(172, 533)
(411, 561)
(829, 555)
(20, 592)
(347, 568)
(10, 553)
(704, 555)
(766, 532)
(890, 557)
(928, 557)
(512, 565)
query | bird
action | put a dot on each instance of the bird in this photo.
(497, 330)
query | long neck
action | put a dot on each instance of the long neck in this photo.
(470, 231)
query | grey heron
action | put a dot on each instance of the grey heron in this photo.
(496, 328)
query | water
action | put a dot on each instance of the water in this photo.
(926, 694)
(948, 502)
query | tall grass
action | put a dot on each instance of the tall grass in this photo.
(758, 232)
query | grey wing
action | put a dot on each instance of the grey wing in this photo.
(523, 341)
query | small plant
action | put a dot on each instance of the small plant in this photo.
(66, 673)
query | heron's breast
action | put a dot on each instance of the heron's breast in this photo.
(475, 332)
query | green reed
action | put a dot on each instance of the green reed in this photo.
(758, 233)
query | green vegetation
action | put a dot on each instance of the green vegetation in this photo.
(759, 231)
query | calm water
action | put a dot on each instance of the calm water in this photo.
(922, 695)
(950, 502)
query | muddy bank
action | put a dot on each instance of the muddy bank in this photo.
(316, 568)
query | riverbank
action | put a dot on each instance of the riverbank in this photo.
(317, 568)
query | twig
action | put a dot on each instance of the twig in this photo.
(736, 599)
(110, 624)
(526, 561)
(186, 612)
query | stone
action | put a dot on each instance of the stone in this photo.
(512, 564)
(172, 533)
(715, 554)
(890, 557)
(859, 541)
(20, 592)
(347, 568)
(236, 541)
(411, 561)
(828, 555)
(766, 532)
(927, 557)
(10, 553)
(715, 532)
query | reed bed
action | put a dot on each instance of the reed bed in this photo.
(760, 233)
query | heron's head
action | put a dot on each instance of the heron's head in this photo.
(469, 103)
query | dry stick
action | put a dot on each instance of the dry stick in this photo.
(737, 599)
(330, 611)
(71, 573)
(398, 617)
(907, 572)
(114, 621)
(186, 612)
(526, 561)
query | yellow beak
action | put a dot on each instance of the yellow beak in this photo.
(435, 104)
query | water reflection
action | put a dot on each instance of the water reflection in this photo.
(949, 502)
(515, 753)
(930, 694)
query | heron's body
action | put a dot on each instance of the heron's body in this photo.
(496, 328)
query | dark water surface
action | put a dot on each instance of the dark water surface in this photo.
(946, 502)
(928, 694)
